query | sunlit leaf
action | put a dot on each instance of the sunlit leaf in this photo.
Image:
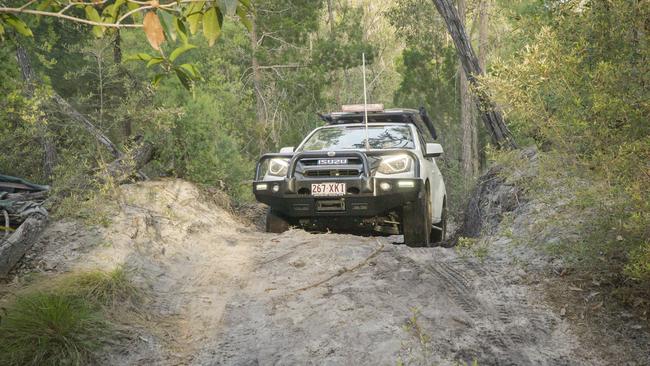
(44, 5)
(184, 78)
(155, 61)
(92, 14)
(18, 25)
(246, 3)
(165, 18)
(113, 9)
(153, 29)
(211, 25)
(243, 17)
(228, 7)
(132, 6)
(191, 70)
(180, 50)
(180, 30)
(138, 57)
(194, 15)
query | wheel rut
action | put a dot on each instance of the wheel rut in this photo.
(360, 314)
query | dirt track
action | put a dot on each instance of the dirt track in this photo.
(222, 293)
(333, 299)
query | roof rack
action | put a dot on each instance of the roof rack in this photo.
(377, 113)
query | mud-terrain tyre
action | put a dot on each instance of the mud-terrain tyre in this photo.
(275, 222)
(439, 230)
(416, 221)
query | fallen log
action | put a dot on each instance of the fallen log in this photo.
(122, 169)
(20, 241)
(21, 209)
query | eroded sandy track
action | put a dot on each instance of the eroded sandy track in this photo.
(340, 299)
(222, 293)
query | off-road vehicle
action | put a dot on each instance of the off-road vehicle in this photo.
(354, 174)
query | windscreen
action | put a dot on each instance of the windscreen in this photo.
(348, 138)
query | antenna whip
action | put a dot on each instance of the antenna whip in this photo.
(365, 101)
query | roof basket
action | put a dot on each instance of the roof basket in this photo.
(360, 108)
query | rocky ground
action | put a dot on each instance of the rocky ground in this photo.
(220, 292)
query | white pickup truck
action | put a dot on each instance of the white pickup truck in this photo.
(349, 176)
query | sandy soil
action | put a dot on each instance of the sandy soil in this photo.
(222, 293)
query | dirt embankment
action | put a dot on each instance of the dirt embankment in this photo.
(222, 293)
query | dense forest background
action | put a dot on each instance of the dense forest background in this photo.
(571, 77)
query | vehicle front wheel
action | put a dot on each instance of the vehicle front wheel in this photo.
(416, 221)
(439, 230)
(276, 223)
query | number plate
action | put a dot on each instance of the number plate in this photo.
(328, 189)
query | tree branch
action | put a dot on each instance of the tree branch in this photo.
(66, 17)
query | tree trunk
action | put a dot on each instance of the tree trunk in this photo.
(491, 117)
(483, 15)
(334, 74)
(127, 128)
(49, 150)
(257, 76)
(467, 116)
(483, 20)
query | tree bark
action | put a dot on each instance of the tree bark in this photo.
(127, 128)
(483, 21)
(49, 149)
(257, 76)
(490, 115)
(467, 116)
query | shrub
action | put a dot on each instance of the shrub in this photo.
(50, 329)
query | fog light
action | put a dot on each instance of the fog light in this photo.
(384, 186)
(276, 188)
(406, 184)
(261, 186)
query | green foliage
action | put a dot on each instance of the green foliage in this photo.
(578, 87)
(50, 329)
(429, 67)
(167, 22)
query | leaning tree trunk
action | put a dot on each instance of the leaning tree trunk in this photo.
(124, 165)
(491, 117)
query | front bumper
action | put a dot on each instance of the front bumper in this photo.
(364, 197)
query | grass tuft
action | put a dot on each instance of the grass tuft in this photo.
(105, 288)
(50, 329)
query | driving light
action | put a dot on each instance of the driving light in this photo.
(261, 186)
(406, 184)
(384, 186)
(278, 167)
(275, 188)
(394, 164)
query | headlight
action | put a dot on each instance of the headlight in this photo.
(278, 167)
(394, 164)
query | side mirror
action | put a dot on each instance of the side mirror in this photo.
(433, 150)
(286, 150)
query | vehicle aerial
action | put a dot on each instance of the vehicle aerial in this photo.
(368, 168)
